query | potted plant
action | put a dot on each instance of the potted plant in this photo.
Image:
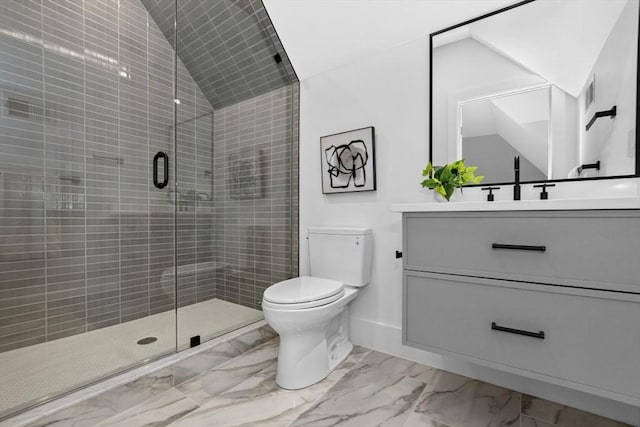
(445, 179)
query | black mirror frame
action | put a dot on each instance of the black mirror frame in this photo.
(505, 9)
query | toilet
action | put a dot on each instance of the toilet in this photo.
(310, 313)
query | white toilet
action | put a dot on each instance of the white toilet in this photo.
(311, 313)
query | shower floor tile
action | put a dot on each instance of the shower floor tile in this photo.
(50, 368)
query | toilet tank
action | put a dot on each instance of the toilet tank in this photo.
(341, 253)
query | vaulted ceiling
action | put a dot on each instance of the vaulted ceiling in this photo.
(229, 47)
(323, 34)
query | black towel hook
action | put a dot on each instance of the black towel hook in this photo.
(612, 112)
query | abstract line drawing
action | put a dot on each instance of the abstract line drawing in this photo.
(348, 161)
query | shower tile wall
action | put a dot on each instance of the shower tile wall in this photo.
(255, 154)
(232, 51)
(86, 93)
(230, 47)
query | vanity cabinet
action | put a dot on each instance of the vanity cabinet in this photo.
(553, 295)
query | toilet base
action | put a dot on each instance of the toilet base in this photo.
(307, 358)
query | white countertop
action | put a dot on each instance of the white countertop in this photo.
(521, 205)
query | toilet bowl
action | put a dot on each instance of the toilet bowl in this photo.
(310, 313)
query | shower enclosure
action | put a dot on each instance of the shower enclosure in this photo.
(148, 183)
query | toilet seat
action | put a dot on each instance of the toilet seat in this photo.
(303, 292)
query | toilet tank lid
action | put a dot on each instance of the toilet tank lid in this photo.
(356, 231)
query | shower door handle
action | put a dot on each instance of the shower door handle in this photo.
(165, 179)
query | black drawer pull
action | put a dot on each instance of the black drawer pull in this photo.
(519, 247)
(497, 327)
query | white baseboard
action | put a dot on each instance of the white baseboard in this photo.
(388, 339)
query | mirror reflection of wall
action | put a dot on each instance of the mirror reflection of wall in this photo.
(517, 83)
(495, 129)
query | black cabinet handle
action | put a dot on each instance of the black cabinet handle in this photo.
(519, 247)
(165, 179)
(496, 327)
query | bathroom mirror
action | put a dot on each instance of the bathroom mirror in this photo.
(552, 81)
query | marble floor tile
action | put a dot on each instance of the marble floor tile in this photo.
(358, 354)
(397, 366)
(202, 362)
(234, 385)
(206, 386)
(213, 357)
(563, 416)
(245, 406)
(366, 396)
(462, 402)
(254, 338)
(420, 420)
(161, 410)
(260, 401)
(92, 411)
(526, 421)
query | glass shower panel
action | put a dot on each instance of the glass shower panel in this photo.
(86, 239)
(235, 156)
(140, 189)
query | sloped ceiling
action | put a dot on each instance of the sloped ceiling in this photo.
(228, 46)
(323, 34)
(558, 40)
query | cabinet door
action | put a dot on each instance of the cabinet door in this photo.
(587, 338)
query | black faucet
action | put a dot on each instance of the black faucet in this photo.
(516, 186)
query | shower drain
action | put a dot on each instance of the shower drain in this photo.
(147, 340)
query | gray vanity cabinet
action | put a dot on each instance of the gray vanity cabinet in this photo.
(552, 295)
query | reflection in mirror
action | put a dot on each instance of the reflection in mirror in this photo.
(496, 128)
(528, 80)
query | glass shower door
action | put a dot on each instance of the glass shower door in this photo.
(235, 129)
(86, 238)
(146, 181)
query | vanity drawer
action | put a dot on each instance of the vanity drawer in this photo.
(595, 249)
(588, 338)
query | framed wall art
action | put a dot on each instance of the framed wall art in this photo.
(348, 161)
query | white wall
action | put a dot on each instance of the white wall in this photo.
(613, 141)
(564, 133)
(390, 91)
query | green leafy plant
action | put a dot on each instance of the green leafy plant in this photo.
(445, 179)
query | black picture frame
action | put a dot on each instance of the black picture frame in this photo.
(347, 161)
